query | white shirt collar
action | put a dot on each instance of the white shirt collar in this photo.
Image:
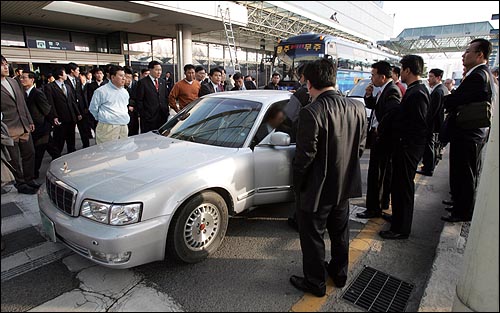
(29, 90)
(153, 79)
(189, 82)
(472, 69)
(216, 87)
(382, 88)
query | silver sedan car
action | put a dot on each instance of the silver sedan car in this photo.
(170, 192)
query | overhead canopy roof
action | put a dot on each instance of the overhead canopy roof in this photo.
(444, 38)
(272, 20)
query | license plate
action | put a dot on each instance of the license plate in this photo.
(48, 227)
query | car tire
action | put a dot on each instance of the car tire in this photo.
(198, 228)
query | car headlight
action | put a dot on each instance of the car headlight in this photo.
(113, 214)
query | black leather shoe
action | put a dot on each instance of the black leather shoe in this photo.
(33, 184)
(23, 188)
(387, 217)
(293, 224)
(454, 219)
(301, 284)
(449, 209)
(387, 234)
(425, 173)
(368, 214)
(447, 202)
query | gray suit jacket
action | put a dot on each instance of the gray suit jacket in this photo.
(15, 112)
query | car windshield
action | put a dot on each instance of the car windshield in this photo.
(359, 89)
(214, 121)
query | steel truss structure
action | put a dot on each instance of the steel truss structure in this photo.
(441, 39)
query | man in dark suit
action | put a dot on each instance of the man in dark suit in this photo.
(152, 99)
(241, 84)
(131, 86)
(410, 133)
(214, 83)
(18, 120)
(384, 105)
(98, 74)
(75, 86)
(435, 121)
(39, 108)
(466, 144)
(327, 173)
(274, 83)
(65, 112)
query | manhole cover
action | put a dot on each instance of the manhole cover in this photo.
(375, 291)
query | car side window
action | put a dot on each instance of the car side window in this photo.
(274, 119)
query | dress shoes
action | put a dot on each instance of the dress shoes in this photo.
(301, 284)
(425, 173)
(33, 184)
(388, 234)
(447, 202)
(387, 217)
(26, 189)
(455, 219)
(368, 214)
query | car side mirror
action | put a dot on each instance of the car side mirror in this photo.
(279, 139)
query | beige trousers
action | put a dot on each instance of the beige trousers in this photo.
(107, 132)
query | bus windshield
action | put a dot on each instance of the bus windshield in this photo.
(353, 60)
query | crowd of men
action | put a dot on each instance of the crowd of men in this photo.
(408, 124)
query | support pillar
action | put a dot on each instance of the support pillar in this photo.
(184, 48)
(477, 288)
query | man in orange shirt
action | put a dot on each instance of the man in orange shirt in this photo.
(185, 90)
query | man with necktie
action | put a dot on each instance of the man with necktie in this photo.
(213, 84)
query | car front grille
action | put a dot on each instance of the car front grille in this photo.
(61, 195)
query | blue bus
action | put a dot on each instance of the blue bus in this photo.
(354, 60)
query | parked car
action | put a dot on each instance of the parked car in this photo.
(358, 93)
(129, 202)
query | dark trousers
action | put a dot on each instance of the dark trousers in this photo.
(39, 153)
(84, 130)
(312, 229)
(133, 125)
(379, 176)
(431, 152)
(22, 155)
(404, 165)
(64, 133)
(465, 169)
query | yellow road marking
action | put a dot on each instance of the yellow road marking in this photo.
(357, 248)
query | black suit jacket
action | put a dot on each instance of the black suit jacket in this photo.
(151, 104)
(410, 120)
(206, 88)
(248, 86)
(39, 108)
(63, 107)
(474, 88)
(83, 107)
(385, 108)
(326, 165)
(436, 109)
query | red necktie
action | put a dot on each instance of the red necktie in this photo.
(221, 87)
(156, 84)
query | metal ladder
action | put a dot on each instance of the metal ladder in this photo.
(228, 28)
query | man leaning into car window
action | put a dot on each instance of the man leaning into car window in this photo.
(272, 120)
(109, 107)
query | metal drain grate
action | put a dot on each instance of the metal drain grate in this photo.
(375, 291)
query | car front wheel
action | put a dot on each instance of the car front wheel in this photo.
(198, 227)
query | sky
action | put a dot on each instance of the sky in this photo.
(431, 13)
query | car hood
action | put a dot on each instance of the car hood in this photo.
(119, 168)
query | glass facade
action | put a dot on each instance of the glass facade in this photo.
(137, 49)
